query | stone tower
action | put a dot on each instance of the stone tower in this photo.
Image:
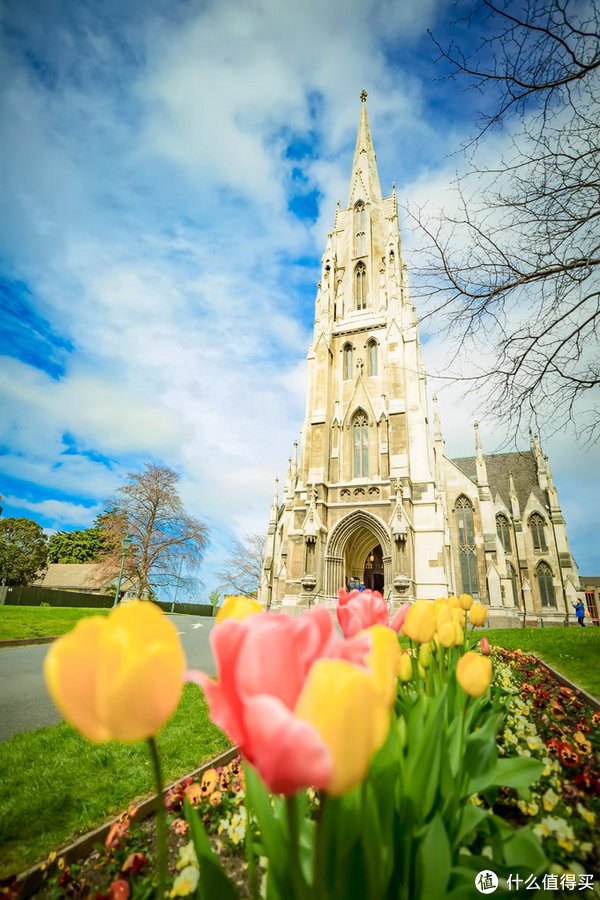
(362, 502)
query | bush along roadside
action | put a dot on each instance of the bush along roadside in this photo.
(374, 773)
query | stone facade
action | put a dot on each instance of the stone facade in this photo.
(373, 495)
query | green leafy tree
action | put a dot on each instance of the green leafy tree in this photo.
(23, 550)
(81, 546)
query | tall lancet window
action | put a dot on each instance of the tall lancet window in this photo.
(372, 357)
(360, 286)
(360, 240)
(538, 534)
(360, 433)
(546, 584)
(347, 362)
(466, 543)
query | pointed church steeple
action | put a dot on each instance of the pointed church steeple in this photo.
(364, 183)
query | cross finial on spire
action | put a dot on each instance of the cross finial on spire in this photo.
(363, 96)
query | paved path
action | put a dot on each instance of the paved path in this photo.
(24, 701)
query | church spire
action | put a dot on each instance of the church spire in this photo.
(364, 183)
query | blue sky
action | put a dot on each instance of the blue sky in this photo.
(171, 171)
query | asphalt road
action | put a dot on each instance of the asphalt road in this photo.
(24, 701)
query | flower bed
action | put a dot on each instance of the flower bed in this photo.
(547, 721)
(416, 755)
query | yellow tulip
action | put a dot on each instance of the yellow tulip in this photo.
(466, 601)
(345, 705)
(458, 635)
(117, 677)
(477, 614)
(459, 615)
(420, 622)
(238, 608)
(447, 634)
(453, 602)
(474, 673)
(406, 670)
(443, 614)
(384, 659)
(424, 656)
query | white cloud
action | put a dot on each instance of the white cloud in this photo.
(57, 511)
(147, 211)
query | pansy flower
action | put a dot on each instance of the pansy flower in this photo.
(568, 755)
(209, 782)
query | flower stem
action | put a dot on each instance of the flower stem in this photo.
(319, 861)
(161, 824)
(291, 809)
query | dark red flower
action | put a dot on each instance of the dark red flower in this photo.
(119, 890)
(568, 755)
(133, 863)
(553, 745)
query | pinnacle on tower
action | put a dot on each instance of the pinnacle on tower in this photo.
(364, 182)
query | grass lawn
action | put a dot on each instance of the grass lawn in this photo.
(55, 785)
(575, 652)
(40, 621)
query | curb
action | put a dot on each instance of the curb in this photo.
(586, 698)
(26, 642)
(31, 879)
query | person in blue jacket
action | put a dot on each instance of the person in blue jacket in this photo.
(580, 612)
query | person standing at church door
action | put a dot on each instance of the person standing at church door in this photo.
(580, 612)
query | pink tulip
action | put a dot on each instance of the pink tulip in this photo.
(484, 646)
(398, 620)
(264, 664)
(361, 609)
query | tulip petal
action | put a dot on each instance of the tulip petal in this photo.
(341, 701)
(267, 662)
(144, 694)
(71, 672)
(289, 754)
(383, 660)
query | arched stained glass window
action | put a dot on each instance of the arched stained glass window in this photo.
(466, 543)
(360, 437)
(538, 532)
(347, 362)
(372, 357)
(360, 229)
(546, 584)
(503, 530)
(360, 286)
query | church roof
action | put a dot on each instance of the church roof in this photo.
(499, 466)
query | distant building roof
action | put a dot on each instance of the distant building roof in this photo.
(593, 580)
(75, 576)
(499, 465)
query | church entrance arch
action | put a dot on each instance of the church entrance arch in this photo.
(359, 547)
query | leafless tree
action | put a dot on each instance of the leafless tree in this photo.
(241, 574)
(166, 538)
(513, 272)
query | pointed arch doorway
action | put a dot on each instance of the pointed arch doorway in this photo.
(373, 570)
(359, 547)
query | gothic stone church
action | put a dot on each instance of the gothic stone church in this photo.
(373, 495)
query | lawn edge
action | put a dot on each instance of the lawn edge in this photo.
(25, 642)
(584, 695)
(31, 879)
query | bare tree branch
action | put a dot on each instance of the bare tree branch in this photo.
(512, 277)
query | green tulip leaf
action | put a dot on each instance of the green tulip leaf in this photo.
(433, 861)
(213, 880)
(523, 850)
